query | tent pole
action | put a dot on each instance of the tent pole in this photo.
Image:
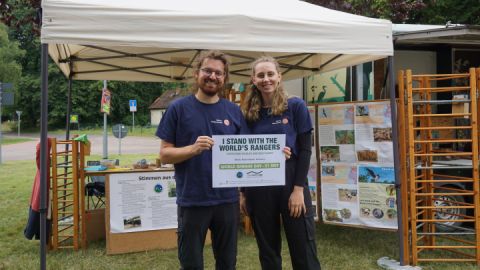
(396, 159)
(105, 132)
(43, 156)
(69, 108)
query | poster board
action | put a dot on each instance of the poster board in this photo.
(118, 243)
(313, 179)
(356, 164)
(126, 242)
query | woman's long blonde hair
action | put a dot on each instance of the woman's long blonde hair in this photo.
(253, 101)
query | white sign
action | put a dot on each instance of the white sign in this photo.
(248, 160)
(133, 105)
(142, 201)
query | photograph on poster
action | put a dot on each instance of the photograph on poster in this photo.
(313, 192)
(328, 170)
(365, 212)
(347, 195)
(344, 137)
(371, 174)
(391, 213)
(382, 134)
(132, 222)
(172, 190)
(377, 213)
(362, 110)
(330, 153)
(332, 215)
(367, 155)
(345, 213)
(390, 190)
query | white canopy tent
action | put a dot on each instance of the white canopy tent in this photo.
(148, 40)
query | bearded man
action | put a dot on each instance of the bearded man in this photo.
(186, 132)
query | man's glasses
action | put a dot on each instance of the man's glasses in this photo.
(209, 72)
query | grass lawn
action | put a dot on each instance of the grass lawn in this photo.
(13, 140)
(341, 248)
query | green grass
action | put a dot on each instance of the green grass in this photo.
(13, 140)
(341, 248)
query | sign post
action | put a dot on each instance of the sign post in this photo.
(19, 113)
(105, 109)
(119, 131)
(3, 86)
(133, 109)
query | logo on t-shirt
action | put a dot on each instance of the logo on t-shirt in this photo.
(277, 122)
(285, 121)
(216, 121)
(226, 122)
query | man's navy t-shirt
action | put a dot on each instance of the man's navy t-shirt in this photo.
(185, 120)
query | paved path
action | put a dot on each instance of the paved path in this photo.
(130, 145)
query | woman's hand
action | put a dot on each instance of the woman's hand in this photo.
(243, 204)
(296, 202)
(287, 152)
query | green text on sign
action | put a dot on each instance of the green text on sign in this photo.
(249, 166)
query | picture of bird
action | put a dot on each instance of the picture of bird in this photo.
(322, 93)
(374, 177)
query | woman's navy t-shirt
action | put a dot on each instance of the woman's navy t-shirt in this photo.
(295, 120)
(185, 120)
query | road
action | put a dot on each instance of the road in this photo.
(130, 145)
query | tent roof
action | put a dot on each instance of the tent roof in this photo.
(146, 40)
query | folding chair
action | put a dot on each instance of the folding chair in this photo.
(95, 189)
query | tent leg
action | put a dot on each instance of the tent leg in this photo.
(69, 109)
(43, 156)
(396, 159)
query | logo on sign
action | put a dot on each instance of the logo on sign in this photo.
(158, 188)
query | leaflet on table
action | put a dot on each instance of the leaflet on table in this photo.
(248, 160)
(142, 201)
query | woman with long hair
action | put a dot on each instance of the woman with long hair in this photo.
(269, 110)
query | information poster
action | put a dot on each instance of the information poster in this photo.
(356, 157)
(313, 169)
(248, 160)
(142, 201)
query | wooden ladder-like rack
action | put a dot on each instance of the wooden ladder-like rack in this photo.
(440, 155)
(67, 191)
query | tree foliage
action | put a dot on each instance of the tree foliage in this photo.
(10, 69)
(398, 11)
(454, 11)
(22, 18)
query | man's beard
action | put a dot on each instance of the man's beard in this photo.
(202, 85)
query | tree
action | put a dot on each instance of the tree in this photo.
(398, 11)
(454, 11)
(10, 70)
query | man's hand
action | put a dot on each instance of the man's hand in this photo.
(296, 202)
(169, 154)
(201, 144)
